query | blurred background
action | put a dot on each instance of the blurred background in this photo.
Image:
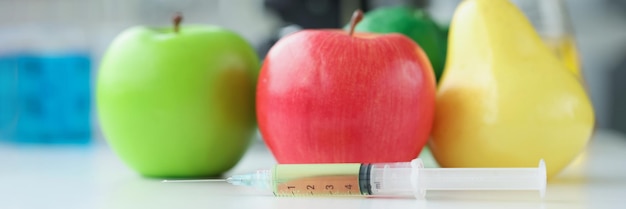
(55, 47)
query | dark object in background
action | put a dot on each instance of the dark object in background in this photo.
(307, 13)
(328, 13)
(302, 14)
(617, 86)
(617, 95)
(618, 3)
(310, 14)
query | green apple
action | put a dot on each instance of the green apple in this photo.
(179, 101)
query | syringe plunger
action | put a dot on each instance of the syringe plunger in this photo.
(480, 178)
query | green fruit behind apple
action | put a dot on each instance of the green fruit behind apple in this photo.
(414, 23)
(178, 102)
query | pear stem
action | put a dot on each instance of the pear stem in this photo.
(177, 19)
(357, 16)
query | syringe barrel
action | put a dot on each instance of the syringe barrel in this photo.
(391, 179)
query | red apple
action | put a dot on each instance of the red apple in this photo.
(331, 96)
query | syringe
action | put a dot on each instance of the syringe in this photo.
(387, 179)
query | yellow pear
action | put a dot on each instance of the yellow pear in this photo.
(566, 50)
(505, 99)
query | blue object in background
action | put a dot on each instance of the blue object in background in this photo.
(8, 78)
(51, 99)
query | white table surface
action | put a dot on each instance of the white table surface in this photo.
(93, 177)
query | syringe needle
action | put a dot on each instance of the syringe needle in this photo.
(193, 180)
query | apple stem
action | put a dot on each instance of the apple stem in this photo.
(177, 19)
(357, 16)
